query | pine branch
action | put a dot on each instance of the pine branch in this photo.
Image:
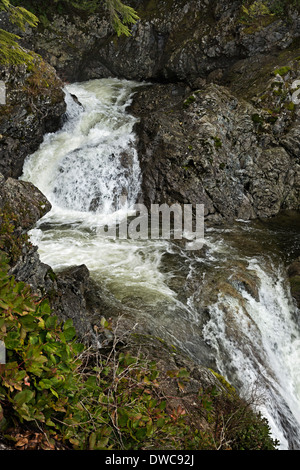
(11, 53)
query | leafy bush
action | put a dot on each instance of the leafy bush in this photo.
(84, 400)
(279, 7)
(81, 399)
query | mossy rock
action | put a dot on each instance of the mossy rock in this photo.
(282, 71)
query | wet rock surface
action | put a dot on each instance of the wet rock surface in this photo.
(24, 200)
(34, 106)
(209, 147)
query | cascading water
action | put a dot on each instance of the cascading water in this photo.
(227, 305)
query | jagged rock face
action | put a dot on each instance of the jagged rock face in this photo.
(206, 147)
(72, 293)
(34, 106)
(234, 149)
(23, 202)
(173, 40)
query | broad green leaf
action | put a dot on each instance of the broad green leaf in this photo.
(54, 392)
(23, 397)
(69, 333)
(12, 340)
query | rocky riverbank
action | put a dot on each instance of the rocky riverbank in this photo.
(225, 91)
(217, 125)
(223, 131)
(209, 147)
(34, 106)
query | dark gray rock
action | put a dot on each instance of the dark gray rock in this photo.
(34, 106)
(173, 41)
(214, 149)
(23, 202)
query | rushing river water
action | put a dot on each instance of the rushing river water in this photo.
(227, 305)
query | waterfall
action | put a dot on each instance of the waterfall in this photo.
(98, 161)
(257, 345)
(228, 305)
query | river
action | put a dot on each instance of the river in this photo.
(228, 305)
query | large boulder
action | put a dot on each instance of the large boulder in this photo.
(210, 147)
(22, 202)
(35, 105)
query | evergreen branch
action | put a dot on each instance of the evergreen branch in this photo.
(10, 51)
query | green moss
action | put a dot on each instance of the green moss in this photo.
(290, 106)
(225, 384)
(255, 16)
(282, 71)
(10, 51)
(218, 143)
(191, 99)
(257, 119)
(52, 275)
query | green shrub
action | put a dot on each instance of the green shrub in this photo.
(84, 399)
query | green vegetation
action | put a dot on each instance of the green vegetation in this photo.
(68, 396)
(56, 393)
(121, 16)
(128, 16)
(257, 119)
(10, 51)
(218, 143)
(259, 13)
(295, 285)
(256, 9)
(256, 15)
(279, 7)
(41, 82)
(282, 71)
(191, 99)
(80, 400)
